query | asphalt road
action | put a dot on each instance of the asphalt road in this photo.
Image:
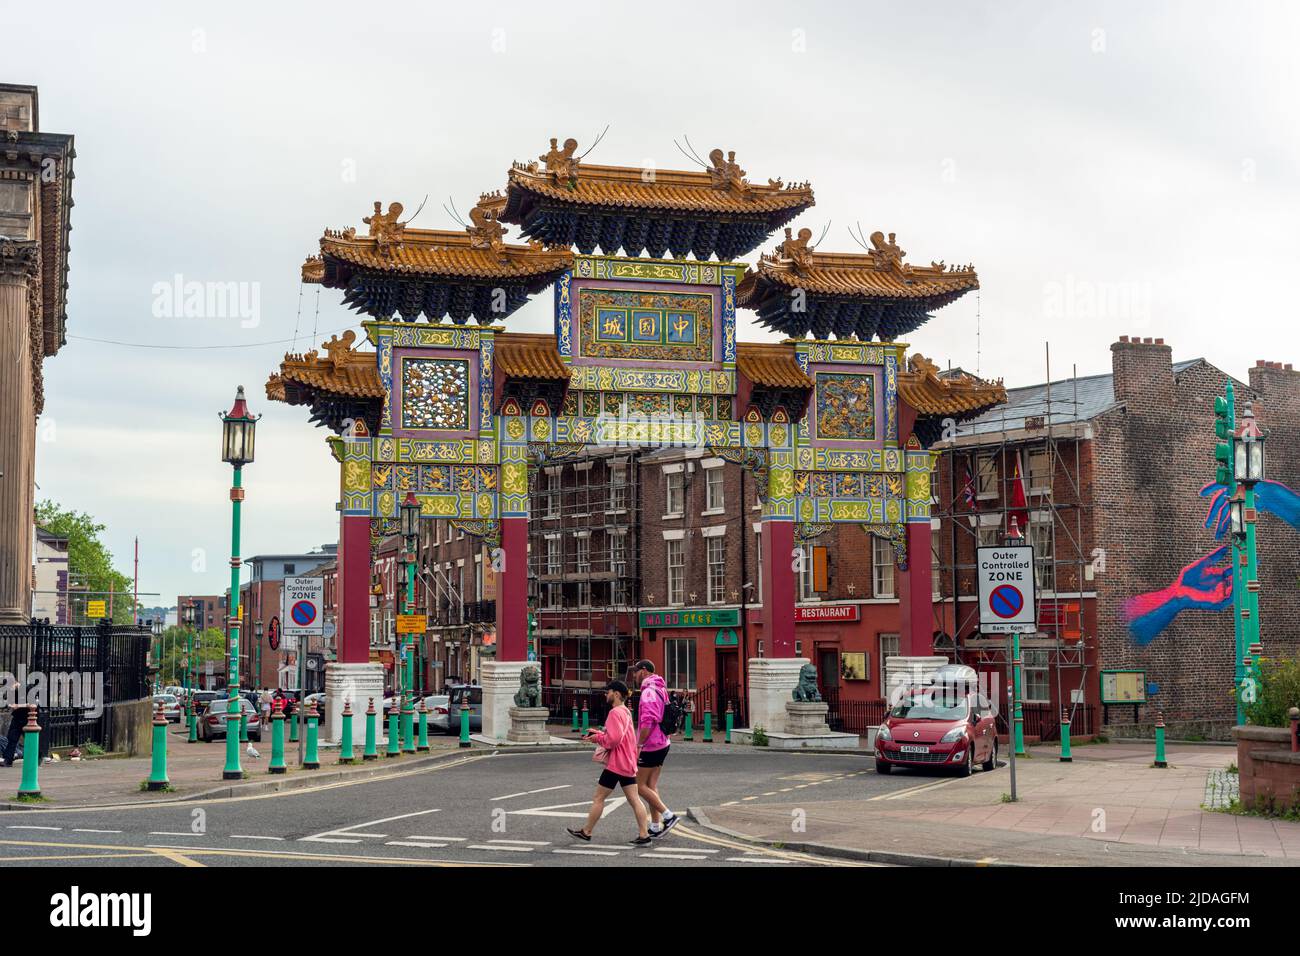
(505, 809)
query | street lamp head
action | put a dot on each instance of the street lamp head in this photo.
(1248, 448)
(1236, 512)
(238, 428)
(410, 514)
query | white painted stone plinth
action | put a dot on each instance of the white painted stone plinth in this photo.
(547, 741)
(904, 672)
(772, 681)
(807, 719)
(356, 683)
(528, 725)
(783, 741)
(500, 680)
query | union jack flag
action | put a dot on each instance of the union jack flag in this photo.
(968, 491)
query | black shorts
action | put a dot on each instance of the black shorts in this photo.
(649, 759)
(612, 781)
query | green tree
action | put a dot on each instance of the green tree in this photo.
(210, 645)
(90, 563)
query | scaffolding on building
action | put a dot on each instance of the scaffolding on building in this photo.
(1046, 434)
(584, 566)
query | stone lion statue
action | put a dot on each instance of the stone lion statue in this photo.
(807, 691)
(529, 693)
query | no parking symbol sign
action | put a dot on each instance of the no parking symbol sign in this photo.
(1006, 589)
(302, 598)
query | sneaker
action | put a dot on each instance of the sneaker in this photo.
(579, 834)
(642, 841)
(670, 821)
(656, 832)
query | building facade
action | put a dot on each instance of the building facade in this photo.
(1107, 478)
(50, 578)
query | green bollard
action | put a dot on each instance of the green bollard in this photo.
(345, 745)
(293, 724)
(158, 778)
(193, 721)
(408, 725)
(311, 759)
(395, 730)
(575, 713)
(31, 785)
(423, 744)
(687, 730)
(1160, 740)
(371, 752)
(708, 726)
(277, 739)
(585, 719)
(243, 724)
(731, 722)
(1065, 736)
(464, 724)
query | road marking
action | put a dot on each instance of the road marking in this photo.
(524, 842)
(749, 798)
(757, 859)
(606, 846)
(783, 790)
(672, 849)
(290, 855)
(920, 788)
(587, 852)
(32, 828)
(500, 847)
(249, 836)
(730, 803)
(558, 809)
(170, 833)
(671, 856)
(525, 793)
(328, 836)
(88, 830)
(446, 839)
(424, 846)
(790, 856)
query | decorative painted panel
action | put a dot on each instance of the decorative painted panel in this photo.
(660, 326)
(435, 394)
(845, 406)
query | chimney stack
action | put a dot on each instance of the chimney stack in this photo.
(1278, 388)
(1144, 372)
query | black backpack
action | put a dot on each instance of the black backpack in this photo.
(672, 718)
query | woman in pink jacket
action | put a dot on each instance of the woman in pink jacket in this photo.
(618, 741)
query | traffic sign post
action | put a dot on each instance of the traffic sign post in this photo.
(1007, 606)
(301, 615)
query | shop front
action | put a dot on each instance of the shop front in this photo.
(697, 649)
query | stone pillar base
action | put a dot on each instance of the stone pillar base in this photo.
(357, 683)
(806, 719)
(771, 682)
(528, 725)
(500, 680)
(904, 672)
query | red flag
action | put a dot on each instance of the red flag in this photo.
(1017, 498)
(968, 491)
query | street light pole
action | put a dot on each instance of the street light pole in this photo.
(1248, 469)
(238, 427)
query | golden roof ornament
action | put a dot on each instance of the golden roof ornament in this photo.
(727, 174)
(313, 269)
(797, 250)
(561, 164)
(338, 349)
(385, 228)
(484, 229)
(887, 253)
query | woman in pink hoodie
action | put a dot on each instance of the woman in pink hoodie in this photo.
(619, 742)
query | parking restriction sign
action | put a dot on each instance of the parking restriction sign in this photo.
(301, 615)
(1006, 589)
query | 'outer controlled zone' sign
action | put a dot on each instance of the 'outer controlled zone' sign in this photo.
(1006, 589)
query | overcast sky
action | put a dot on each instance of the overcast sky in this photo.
(1109, 168)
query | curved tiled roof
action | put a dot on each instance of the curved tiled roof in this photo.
(441, 253)
(522, 355)
(960, 397)
(770, 364)
(850, 274)
(626, 187)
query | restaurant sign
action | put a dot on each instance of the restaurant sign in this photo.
(692, 617)
(832, 612)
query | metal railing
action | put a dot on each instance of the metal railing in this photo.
(1044, 721)
(714, 699)
(853, 716)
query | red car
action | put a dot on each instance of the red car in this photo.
(938, 726)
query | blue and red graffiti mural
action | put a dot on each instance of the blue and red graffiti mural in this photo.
(1206, 584)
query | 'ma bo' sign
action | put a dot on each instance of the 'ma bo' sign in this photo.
(1006, 589)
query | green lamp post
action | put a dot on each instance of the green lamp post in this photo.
(410, 520)
(1248, 470)
(238, 429)
(1224, 430)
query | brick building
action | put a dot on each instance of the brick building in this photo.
(457, 589)
(1112, 468)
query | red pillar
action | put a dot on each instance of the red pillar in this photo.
(354, 589)
(916, 594)
(512, 591)
(778, 587)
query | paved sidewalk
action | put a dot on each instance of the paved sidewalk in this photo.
(1107, 808)
(193, 769)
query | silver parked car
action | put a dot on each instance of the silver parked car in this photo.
(468, 697)
(213, 722)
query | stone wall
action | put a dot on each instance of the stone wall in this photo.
(1269, 769)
